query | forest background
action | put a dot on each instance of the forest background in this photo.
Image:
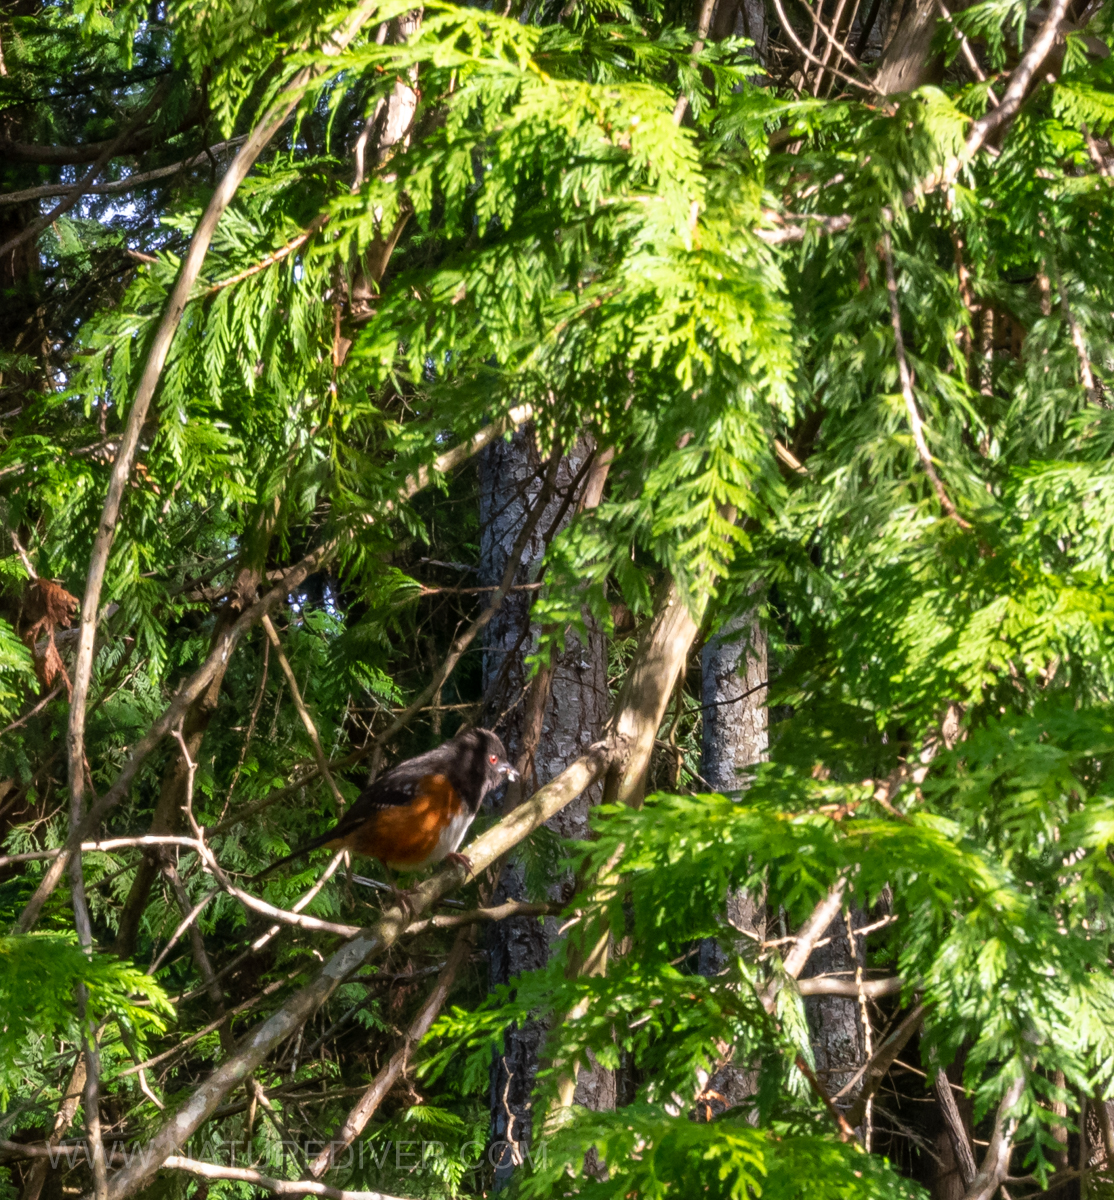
(715, 401)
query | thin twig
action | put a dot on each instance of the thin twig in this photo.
(968, 53)
(33, 712)
(115, 186)
(218, 654)
(270, 933)
(315, 226)
(366, 1106)
(205, 1030)
(251, 729)
(915, 423)
(874, 1070)
(1086, 375)
(810, 57)
(185, 923)
(303, 712)
(1016, 89)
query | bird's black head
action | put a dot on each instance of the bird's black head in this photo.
(488, 766)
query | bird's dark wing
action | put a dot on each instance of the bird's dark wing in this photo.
(392, 789)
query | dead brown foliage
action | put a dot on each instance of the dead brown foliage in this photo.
(49, 607)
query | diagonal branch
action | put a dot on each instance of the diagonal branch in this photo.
(73, 194)
(303, 712)
(289, 581)
(196, 1108)
(915, 423)
(315, 226)
(127, 184)
(366, 1106)
(957, 1132)
(875, 1068)
(1011, 101)
(281, 1187)
(273, 119)
(810, 933)
(996, 1161)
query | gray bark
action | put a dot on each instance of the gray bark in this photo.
(734, 670)
(835, 1022)
(906, 62)
(734, 673)
(510, 476)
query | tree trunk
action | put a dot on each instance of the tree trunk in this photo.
(734, 672)
(545, 726)
(906, 63)
(835, 1022)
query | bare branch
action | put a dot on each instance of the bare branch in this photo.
(996, 1161)
(289, 581)
(807, 54)
(1012, 99)
(365, 1108)
(127, 184)
(957, 1132)
(107, 844)
(824, 985)
(797, 233)
(968, 53)
(186, 923)
(810, 933)
(875, 1068)
(281, 1187)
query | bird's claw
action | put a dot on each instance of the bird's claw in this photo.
(461, 860)
(403, 900)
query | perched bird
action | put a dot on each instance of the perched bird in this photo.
(417, 813)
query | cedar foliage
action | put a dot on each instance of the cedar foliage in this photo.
(564, 241)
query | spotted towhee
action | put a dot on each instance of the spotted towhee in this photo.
(417, 813)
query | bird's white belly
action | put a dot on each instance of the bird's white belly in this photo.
(451, 837)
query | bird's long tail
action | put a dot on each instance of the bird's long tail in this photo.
(302, 850)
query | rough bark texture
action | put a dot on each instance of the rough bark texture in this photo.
(835, 1022)
(570, 721)
(947, 1179)
(734, 736)
(906, 63)
(733, 695)
(735, 667)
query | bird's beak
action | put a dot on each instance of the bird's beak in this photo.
(509, 771)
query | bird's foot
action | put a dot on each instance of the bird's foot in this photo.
(461, 860)
(404, 898)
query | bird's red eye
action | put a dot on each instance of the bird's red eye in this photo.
(493, 759)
